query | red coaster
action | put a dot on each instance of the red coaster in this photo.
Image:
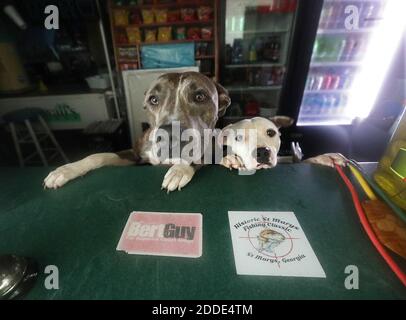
(163, 234)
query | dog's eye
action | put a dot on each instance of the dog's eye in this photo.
(271, 132)
(153, 100)
(200, 97)
(238, 137)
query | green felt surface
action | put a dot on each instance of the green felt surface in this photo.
(77, 228)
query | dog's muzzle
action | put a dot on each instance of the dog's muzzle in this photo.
(262, 155)
(169, 142)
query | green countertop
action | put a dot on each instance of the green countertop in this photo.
(77, 228)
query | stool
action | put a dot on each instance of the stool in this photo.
(23, 132)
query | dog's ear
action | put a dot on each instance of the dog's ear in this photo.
(282, 121)
(224, 99)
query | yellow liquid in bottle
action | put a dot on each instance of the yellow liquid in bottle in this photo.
(391, 172)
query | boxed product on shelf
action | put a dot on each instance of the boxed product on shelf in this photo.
(180, 33)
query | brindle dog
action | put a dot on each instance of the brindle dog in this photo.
(190, 99)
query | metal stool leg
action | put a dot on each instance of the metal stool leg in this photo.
(37, 145)
(52, 137)
(16, 144)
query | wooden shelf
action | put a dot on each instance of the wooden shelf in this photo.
(168, 24)
(126, 60)
(204, 57)
(175, 41)
(127, 45)
(176, 4)
(161, 42)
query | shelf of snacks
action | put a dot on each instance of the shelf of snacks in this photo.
(162, 42)
(201, 57)
(135, 24)
(167, 24)
(159, 5)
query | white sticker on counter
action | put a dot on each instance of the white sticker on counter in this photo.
(272, 244)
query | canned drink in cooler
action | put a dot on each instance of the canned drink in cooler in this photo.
(369, 14)
(360, 49)
(346, 55)
(326, 15)
(333, 21)
(318, 83)
(347, 79)
(335, 82)
(326, 82)
(322, 103)
(310, 82)
(340, 53)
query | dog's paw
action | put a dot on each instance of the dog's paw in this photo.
(232, 161)
(177, 177)
(61, 176)
(329, 160)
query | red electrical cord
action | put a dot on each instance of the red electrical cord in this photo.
(365, 224)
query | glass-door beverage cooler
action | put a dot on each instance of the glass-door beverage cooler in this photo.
(353, 48)
(257, 39)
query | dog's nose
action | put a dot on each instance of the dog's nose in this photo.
(262, 155)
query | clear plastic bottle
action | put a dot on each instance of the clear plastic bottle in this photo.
(391, 172)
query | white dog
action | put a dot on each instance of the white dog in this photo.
(255, 143)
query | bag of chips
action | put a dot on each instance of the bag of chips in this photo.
(135, 17)
(204, 13)
(121, 37)
(193, 33)
(147, 16)
(161, 16)
(207, 33)
(150, 35)
(121, 17)
(165, 34)
(133, 35)
(187, 14)
(173, 16)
